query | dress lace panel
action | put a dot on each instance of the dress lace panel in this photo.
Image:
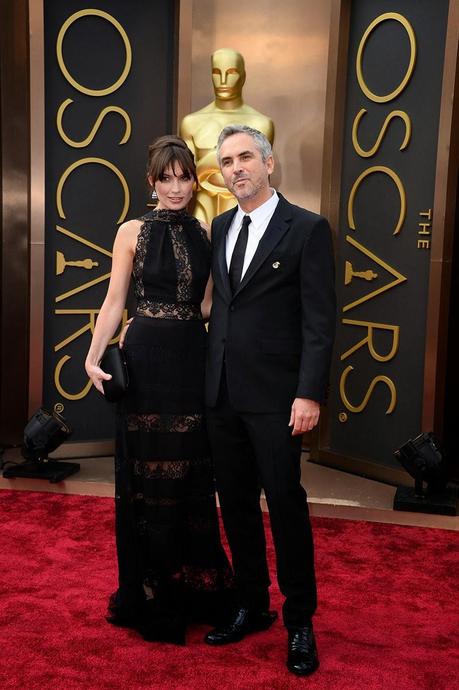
(167, 310)
(206, 579)
(139, 260)
(182, 262)
(170, 469)
(161, 469)
(164, 422)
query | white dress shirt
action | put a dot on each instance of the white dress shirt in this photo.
(259, 219)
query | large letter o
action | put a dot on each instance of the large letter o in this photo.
(409, 29)
(60, 57)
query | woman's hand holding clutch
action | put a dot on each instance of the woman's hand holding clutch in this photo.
(96, 375)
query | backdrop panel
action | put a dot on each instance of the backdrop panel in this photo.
(389, 148)
(109, 90)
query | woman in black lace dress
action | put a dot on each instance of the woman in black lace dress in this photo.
(171, 565)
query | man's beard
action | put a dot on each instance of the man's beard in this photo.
(247, 192)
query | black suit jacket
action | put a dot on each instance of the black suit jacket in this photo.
(275, 334)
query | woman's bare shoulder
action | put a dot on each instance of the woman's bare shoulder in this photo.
(128, 233)
(131, 227)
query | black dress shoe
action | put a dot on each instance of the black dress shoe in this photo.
(302, 656)
(243, 622)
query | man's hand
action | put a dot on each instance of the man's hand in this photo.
(124, 331)
(305, 415)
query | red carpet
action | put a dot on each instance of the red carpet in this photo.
(388, 616)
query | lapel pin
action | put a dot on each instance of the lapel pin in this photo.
(276, 264)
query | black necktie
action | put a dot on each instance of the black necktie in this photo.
(237, 260)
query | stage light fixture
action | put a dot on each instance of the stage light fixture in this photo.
(45, 431)
(424, 461)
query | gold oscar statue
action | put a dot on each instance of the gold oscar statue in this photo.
(201, 129)
(349, 273)
(61, 263)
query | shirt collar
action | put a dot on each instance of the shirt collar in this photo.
(258, 215)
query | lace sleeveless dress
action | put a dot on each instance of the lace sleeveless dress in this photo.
(171, 565)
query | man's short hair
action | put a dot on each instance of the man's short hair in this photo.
(261, 142)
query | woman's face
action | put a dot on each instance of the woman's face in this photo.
(175, 189)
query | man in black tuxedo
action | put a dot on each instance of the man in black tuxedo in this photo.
(270, 340)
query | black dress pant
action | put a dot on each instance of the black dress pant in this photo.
(252, 450)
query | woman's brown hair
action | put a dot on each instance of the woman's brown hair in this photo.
(169, 150)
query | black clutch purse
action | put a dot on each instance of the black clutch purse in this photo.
(114, 362)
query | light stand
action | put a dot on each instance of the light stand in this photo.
(45, 431)
(423, 460)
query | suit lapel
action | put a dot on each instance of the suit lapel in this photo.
(277, 227)
(221, 254)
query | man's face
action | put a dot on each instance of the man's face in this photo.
(245, 174)
(227, 75)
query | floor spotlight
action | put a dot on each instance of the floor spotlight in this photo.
(45, 431)
(423, 460)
